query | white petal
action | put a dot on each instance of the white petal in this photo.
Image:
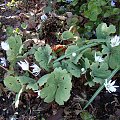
(19, 63)
(110, 86)
(36, 70)
(116, 86)
(112, 83)
(112, 3)
(5, 46)
(24, 65)
(112, 89)
(107, 89)
(115, 41)
(38, 92)
(98, 58)
(26, 62)
(3, 61)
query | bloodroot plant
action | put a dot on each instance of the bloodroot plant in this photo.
(102, 63)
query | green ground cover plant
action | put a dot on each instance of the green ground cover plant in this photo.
(90, 48)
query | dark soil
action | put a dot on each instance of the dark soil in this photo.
(106, 106)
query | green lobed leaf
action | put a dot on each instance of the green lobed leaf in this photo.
(93, 10)
(86, 116)
(116, 11)
(105, 50)
(9, 30)
(101, 87)
(12, 83)
(33, 86)
(72, 68)
(56, 65)
(67, 35)
(91, 16)
(58, 87)
(24, 25)
(100, 70)
(88, 54)
(91, 83)
(31, 83)
(98, 80)
(87, 63)
(71, 49)
(42, 55)
(15, 43)
(102, 31)
(43, 80)
(114, 58)
(47, 9)
(72, 21)
(25, 80)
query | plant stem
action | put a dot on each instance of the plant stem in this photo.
(80, 49)
(4, 68)
(17, 99)
(31, 73)
(101, 87)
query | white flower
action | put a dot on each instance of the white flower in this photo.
(98, 58)
(36, 70)
(115, 41)
(112, 3)
(73, 54)
(24, 65)
(43, 17)
(3, 61)
(5, 46)
(110, 86)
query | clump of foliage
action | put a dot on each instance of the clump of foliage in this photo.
(91, 50)
(60, 70)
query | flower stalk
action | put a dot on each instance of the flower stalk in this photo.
(4, 68)
(80, 49)
(101, 87)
